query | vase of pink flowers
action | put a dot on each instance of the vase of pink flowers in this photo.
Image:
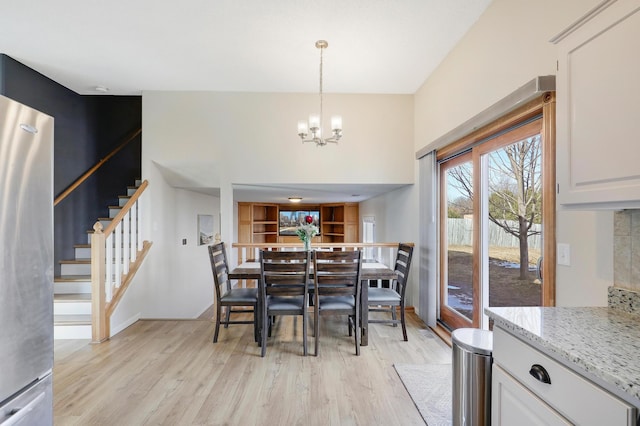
(307, 231)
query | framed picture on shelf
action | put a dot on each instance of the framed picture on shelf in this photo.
(205, 229)
(290, 220)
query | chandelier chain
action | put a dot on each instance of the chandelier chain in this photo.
(321, 62)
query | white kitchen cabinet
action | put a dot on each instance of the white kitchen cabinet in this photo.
(598, 112)
(513, 404)
(518, 397)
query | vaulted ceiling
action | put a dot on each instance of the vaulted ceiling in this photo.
(375, 46)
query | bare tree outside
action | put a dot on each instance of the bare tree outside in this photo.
(460, 207)
(515, 192)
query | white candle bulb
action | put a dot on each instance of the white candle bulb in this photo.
(336, 122)
(314, 121)
(302, 127)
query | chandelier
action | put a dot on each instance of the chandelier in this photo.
(315, 120)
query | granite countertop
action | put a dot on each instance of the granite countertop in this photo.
(603, 344)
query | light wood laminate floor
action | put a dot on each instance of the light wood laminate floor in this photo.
(170, 373)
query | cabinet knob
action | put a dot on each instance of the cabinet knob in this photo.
(539, 373)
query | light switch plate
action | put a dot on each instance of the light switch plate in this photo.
(564, 254)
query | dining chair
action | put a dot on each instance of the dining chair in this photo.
(337, 289)
(383, 299)
(283, 287)
(228, 296)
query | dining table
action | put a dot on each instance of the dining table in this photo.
(372, 270)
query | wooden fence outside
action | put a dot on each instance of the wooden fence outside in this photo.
(460, 233)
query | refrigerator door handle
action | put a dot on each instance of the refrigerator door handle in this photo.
(18, 414)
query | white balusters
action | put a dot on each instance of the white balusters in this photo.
(126, 241)
(115, 254)
(138, 228)
(108, 267)
(134, 232)
(122, 245)
(243, 256)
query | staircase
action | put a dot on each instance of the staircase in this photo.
(72, 289)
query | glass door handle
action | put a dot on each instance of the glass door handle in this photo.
(539, 268)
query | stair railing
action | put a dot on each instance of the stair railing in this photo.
(116, 254)
(381, 252)
(93, 169)
(249, 252)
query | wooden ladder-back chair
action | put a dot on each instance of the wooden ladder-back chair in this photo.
(228, 296)
(386, 299)
(337, 289)
(283, 285)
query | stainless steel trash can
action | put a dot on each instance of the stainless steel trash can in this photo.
(472, 349)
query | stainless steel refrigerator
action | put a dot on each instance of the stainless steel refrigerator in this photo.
(26, 265)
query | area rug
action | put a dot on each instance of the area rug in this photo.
(429, 386)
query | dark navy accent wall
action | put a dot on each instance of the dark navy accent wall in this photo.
(87, 128)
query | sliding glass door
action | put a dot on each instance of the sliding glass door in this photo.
(491, 222)
(511, 218)
(458, 292)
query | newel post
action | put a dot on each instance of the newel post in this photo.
(99, 322)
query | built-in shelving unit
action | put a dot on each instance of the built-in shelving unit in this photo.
(258, 223)
(339, 223)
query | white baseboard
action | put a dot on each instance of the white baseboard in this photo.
(115, 329)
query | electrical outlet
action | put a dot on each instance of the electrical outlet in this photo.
(564, 254)
(184, 241)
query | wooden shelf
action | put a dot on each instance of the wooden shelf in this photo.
(339, 222)
(259, 222)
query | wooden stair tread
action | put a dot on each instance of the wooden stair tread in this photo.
(72, 320)
(82, 246)
(72, 297)
(91, 231)
(85, 260)
(100, 219)
(71, 278)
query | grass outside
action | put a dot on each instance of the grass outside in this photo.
(505, 286)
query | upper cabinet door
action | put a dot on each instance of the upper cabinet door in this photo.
(598, 107)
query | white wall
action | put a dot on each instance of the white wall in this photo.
(175, 280)
(227, 138)
(396, 215)
(508, 46)
(251, 137)
(590, 235)
(192, 289)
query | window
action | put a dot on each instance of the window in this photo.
(368, 235)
